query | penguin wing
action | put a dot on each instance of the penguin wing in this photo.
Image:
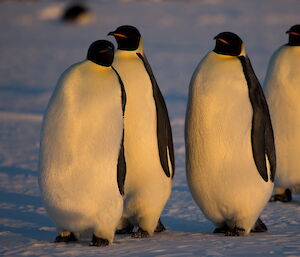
(123, 92)
(121, 168)
(269, 136)
(262, 137)
(164, 131)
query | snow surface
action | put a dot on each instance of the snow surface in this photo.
(35, 47)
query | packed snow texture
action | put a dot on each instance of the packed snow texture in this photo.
(36, 47)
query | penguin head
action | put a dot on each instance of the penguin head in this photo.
(101, 52)
(294, 35)
(228, 43)
(127, 37)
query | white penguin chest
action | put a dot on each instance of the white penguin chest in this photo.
(220, 164)
(220, 99)
(282, 83)
(140, 102)
(219, 121)
(283, 95)
(140, 114)
(144, 170)
(77, 134)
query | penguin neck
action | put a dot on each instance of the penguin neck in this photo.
(96, 66)
(294, 40)
(140, 48)
(243, 53)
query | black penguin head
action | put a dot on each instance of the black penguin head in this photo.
(127, 37)
(228, 43)
(74, 12)
(294, 35)
(101, 52)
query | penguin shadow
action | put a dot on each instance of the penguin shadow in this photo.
(294, 202)
(21, 213)
(295, 199)
(188, 226)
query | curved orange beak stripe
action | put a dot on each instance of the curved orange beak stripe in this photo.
(119, 35)
(223, 41)
(294, 33)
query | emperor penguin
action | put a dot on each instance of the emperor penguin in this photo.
(148, 140)
(230, 152)
(82, 165)
(282, 85)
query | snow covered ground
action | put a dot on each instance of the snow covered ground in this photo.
(35, 48)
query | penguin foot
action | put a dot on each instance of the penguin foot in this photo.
(259, 226)
(126, 230)
(160, 227)
(100, 242)
(140, 234)
(65, 239)
(235, 232)
(285, 197)
(222, 230)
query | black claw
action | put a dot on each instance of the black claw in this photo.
(160, 227)
(99, 242)
(259, 226)
(285, 197)
(140, 234)
(66, 239)
(126, 230)
(234, 231)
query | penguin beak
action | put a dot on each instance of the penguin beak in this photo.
(222, 40)
(116, 34)
(292, 33)
(103, 51)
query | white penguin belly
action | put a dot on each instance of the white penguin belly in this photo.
(80, 145)
(221, 171)
(283, 95)
(147, 188)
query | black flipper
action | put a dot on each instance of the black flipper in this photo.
(164, 131)
(262, 137)
(122, 90)
(121, 169)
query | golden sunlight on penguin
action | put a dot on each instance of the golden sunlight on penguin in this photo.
(148, 139)
(230, 152)
(283, 94)
(81, 181)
